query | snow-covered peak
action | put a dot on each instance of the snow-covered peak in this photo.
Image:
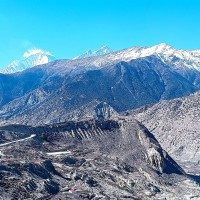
(162, 48)
(99, 52)
(102, 51)
(86, 54)
(177, 58)
(32, 57)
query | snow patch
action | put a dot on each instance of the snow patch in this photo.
(58, 153)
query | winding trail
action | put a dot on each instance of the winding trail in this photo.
(15, 141)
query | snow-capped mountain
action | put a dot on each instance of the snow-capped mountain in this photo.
(178, 59)
(99, 52)
(102, 87)
(188, 58)
(32, 58)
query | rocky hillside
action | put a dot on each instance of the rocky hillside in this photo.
(176, 125)
(89, 160)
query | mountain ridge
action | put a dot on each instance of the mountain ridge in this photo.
(99, 52)
(57, 94)
(186, 58)
(54, 90)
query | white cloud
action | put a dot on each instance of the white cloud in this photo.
(35, 51)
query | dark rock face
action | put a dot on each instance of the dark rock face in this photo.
(90, 160)
(55, 90)
(37, 170)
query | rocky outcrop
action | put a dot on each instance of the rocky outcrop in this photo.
(104, 111)
(156, 156)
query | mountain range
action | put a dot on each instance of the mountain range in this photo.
(124, 79)
(136, 108)
(34, 57)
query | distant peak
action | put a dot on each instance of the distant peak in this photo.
(31, 52)
(104, 50)
(105, 47)
(32, 58)
(99, 52)
(163, 45)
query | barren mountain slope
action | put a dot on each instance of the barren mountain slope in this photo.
(176, 125)
(89, 160)
(46, 95)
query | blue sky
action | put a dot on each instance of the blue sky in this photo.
(67, 28)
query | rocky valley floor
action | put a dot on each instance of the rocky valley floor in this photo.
(110, 159)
